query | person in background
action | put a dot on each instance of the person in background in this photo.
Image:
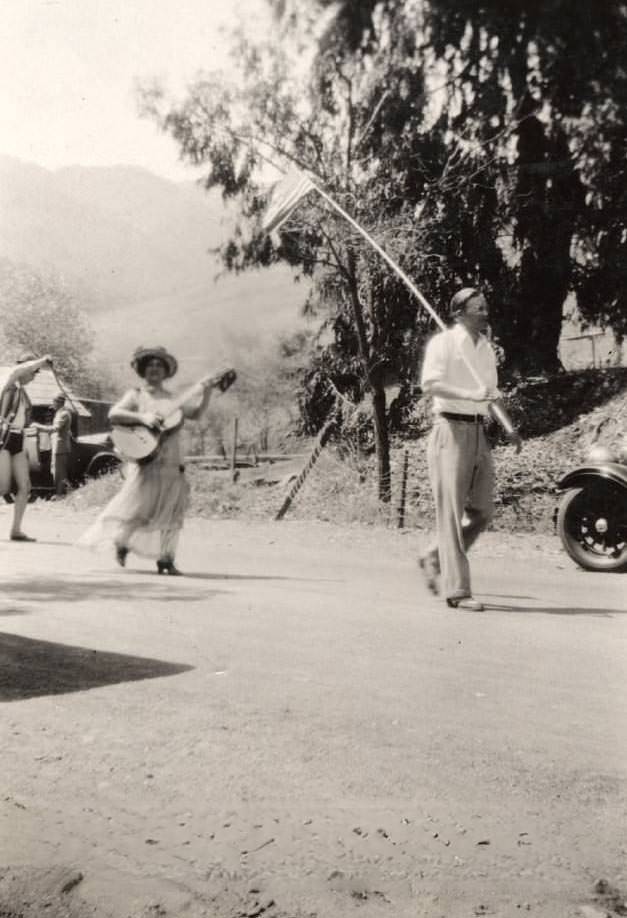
(15, 415)
(61, 445)
(60, 433)
(44, 443)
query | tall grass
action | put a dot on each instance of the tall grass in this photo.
(95, 493)
(337, 489)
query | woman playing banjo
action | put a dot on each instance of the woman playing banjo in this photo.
(146, 515)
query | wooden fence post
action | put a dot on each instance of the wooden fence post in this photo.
(234, 451)
(401, 502)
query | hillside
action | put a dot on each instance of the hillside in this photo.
(204, 325)
(135, 248)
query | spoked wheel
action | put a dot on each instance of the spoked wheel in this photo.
(592, 523)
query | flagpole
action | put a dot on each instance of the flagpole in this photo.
(495, 409)
(390, 261)
(395, 267)
(283, 212)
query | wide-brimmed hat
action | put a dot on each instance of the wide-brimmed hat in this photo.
(143, 354)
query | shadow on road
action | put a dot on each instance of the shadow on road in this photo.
(121, 587)
(553, 610)
(32, 545)
(506, 596)
(30, 668)
(203, 575)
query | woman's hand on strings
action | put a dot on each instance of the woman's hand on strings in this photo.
(151, 419)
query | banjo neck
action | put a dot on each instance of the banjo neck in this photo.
(177, 403)
(137, 443)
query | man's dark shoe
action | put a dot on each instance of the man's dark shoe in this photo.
(466, 603)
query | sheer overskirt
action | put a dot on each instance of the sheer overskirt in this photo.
(146, 515)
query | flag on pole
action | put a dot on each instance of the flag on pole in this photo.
(284, 198)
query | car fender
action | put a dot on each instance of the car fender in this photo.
(614, 472)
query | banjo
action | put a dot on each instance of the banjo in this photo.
(138, 443)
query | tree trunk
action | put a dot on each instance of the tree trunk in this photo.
(375, 384)
(531, 343)
(382, 442)
(548, 193)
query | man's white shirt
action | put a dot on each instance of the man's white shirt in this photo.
(444, 363)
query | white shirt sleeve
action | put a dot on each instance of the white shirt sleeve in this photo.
(434, 364)
(494, 376)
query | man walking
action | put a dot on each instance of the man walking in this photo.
(461, 470)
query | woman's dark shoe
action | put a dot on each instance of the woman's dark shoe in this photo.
(467, 603)
(168, 567)
(121, 552)
(430, 573)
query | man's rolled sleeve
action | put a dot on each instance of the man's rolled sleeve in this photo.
(494, 375)
(434, 364)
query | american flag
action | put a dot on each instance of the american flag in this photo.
(284, 198)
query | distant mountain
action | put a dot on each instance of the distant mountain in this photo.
(207, 325)
(136, 249)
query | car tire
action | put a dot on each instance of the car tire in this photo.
(580, 512)
(102, 465)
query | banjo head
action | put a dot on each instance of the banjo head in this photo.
(172, 421)
(134, 443)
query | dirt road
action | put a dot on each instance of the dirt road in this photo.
(297, 729)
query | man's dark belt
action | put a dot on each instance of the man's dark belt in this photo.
(469, 418)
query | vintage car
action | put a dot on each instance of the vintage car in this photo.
(92, 455)
(592, 516)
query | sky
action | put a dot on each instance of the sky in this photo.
(68, 70)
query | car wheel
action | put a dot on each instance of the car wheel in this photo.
(104, 465)
(592, 524)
